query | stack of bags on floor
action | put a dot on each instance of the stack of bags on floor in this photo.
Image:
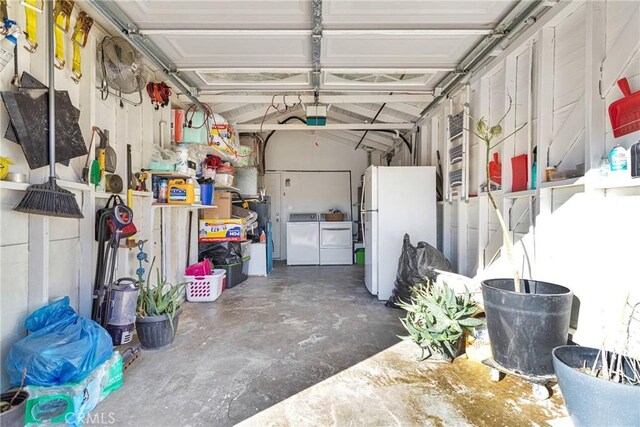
(66, 364)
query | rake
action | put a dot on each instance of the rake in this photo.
(49, 198)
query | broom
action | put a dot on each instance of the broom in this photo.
(49, 198)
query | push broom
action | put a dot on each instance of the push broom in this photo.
(49, 198)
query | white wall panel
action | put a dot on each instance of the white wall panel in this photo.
(67, 261)
(572, 224)
(13, 304)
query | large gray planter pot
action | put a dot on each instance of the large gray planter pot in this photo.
(524, 327)
(155, 331)
(593, 401)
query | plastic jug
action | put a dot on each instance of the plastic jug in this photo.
(180, 192)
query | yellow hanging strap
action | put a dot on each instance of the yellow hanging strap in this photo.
(3, 10)
(62, 21)
(79, 38)
(5, 22)
(31, 10)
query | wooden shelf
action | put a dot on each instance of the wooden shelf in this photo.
(10, 185)
(70, 185)
(225, 188)
(493, 193)
(519, 194)
(22, 186)
(569, 182)
(175, 206)
(172, 174)
(613, 182)
(105, 195)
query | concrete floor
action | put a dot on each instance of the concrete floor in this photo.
(393, 388)
(258, 344)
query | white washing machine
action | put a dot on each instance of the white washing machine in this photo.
(336, 243)
(303, 239)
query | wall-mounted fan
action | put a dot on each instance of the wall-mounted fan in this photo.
(121, 69)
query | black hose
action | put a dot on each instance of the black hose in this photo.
(266, 140)
(401, 137)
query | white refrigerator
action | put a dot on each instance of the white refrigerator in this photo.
(395, 200)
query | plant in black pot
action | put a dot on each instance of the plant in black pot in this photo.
(526, 319)
(600, 387)
(12, 406)
(158, 311)
(437, 320)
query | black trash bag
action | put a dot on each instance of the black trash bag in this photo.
(417, 264)
(223, 253)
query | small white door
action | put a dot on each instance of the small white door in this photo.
(274, 191)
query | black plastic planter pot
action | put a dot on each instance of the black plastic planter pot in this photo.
(14, 417)
(594, 401)
(525, 327)
(155, 331)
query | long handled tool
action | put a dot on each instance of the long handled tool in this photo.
(49, 198)
(131, 241)
(92, 174)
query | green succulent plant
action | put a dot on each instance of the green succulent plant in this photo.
(163, 298)
(437, 318)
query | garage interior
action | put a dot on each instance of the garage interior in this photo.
(272, 155)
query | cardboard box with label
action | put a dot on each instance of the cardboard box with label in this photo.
(222, 230)
(222, 201)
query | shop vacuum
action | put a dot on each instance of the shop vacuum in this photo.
(115, 301)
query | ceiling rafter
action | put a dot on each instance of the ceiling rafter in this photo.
(324, 98)
(256, 127)
(349, 137)
(223, 108)
(369, 113)
(384, 138)
(412, 110)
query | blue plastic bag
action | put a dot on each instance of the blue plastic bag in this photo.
(61, 347)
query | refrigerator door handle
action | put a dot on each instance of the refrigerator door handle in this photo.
(364, 191)
(362, 210)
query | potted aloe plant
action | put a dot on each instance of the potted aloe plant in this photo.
(158, 311)
(526, 319)
(600, 387)
(438, 320)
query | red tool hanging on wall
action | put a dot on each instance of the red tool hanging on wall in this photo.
(159, 94)
(625, 113)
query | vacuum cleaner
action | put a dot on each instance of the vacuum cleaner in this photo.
(114, 301)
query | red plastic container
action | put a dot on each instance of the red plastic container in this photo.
(519, 173)
(625, 113)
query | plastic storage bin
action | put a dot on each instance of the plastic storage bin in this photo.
(245, 265)
(205, 288)
(235, 275)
